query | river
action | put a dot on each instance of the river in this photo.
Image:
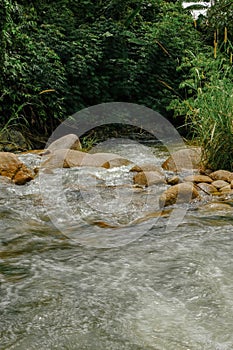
(74, 289)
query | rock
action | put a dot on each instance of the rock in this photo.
(204, 171)
(232, 184)
(66, 158)
(14, 169)
(220, 183)
(207, 188)
(148, 178)
(225, 189)
(174, 180)
(216, 206)
(145, 167)
(180, 193)
(70, 141)
(222, 175)
(183, 159)
(12, 140)
(114, 160)
(198, 178)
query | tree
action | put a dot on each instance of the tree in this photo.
(61, 56)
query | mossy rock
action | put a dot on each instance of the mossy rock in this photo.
(12, 141)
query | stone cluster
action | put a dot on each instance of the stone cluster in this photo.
(181, 174)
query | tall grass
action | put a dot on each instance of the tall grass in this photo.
(208, 106)
(212, 124)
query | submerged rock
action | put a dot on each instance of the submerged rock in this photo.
(180, 193)
(14, 169)
(215, 207)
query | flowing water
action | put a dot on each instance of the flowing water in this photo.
(69, 286)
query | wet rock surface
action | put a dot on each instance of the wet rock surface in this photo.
(180, 188)
(177, 194)
(183, 159)
(12, 168)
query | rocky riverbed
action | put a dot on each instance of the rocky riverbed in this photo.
(181, 173)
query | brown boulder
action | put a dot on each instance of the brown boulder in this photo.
(180, 193)
(183, 159)
(114, 160)
(198, 178)
(145, 167)
(66, 158)
(147, 178)
(174, 180)
(225, 189)
(220, 183)
(13, 168)
(70, 141)
(207, 188)
(222, 175)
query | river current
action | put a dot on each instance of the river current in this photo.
(84, 286)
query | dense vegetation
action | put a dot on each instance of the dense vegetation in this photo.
(58, 57)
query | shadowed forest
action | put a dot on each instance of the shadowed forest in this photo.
(58, 57)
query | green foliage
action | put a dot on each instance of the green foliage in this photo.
(58, 57)
(61, 56)
(206, 91)
(30, 66)
(208, 106)
(220, 16)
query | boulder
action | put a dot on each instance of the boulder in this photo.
(222, 175)
(147, 178)
(174, 180)
(14, 169)
(114, 160)
(207, 188)
(180, 193)
(225, 189)
(220, 183)
(145, 167)
(65, 158)
(183, 159)
(198, 178)
(70, 141)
